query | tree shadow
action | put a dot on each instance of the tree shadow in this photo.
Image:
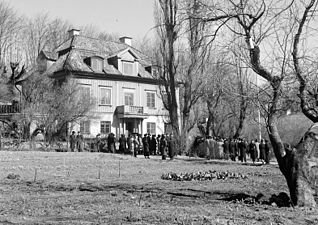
(280, 200)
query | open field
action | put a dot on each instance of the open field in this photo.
(97, 188)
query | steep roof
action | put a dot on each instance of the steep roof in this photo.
(74, 50)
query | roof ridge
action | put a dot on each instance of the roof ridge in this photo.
(99, 39)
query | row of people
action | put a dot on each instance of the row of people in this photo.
(233, 149)
(134, 144)
(148, 145)
(76, 141)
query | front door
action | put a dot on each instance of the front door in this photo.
(133, 126)
(130, 127)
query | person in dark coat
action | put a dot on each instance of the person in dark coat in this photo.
(153, 145)
(80, 141)
(242, 148)
(145, 144)
(171, 146)
(226, 147)
(233, 149)
(262, 151)
(111, 143)
(267, 151)
(73, 141)
(122, 144)
(158, 138)
(252, 151)
(163, 147)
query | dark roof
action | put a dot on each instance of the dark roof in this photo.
(74, 50)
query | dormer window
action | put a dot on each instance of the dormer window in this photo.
(128, 68)
(96, 63)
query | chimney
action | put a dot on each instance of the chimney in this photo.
(73, 32)
(126, 40)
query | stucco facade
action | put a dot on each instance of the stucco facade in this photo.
(118, 77)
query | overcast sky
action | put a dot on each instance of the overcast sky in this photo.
(126, 17)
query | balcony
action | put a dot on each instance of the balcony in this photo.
(7, 110)
(129, 111)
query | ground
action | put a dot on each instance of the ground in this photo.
(102, 188)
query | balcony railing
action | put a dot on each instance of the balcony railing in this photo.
(9, 109)
(130, 110)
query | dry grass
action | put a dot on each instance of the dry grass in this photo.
(96, 188)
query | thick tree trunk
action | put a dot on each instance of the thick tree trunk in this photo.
(184, 129)
(174, 119)
(241, 120)
(294, 165)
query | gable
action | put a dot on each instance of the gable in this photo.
(127, 56)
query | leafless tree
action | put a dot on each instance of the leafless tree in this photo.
(51, 108)
(251, 18)
(192, 70)
(10, 25)
(304, 62)
(227, 96)
(42, 33)
(269, 28)
(168, 28)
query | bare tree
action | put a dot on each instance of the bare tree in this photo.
(57, 32)
(308, 94)
(192, 71)
(36, 34)
(270, 25)
(167, 28)
(51, 108)
(214, 93)
(10, 25)
(42, 33)
(249, 17)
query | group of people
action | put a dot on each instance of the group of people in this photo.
(134, 144)
(239, 149)
(76, 141)
(147, 145)
(164, 145)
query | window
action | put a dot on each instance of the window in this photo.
(151, 128)
(105, 127)
(85, 127)
(129, 98)
(128, 68)
(151, 100)
(105, 96)
(97, 64)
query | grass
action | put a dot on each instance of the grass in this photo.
(97, 188)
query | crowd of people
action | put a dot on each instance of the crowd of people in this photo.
(164, 145)
(239, 149)
(134, 144)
